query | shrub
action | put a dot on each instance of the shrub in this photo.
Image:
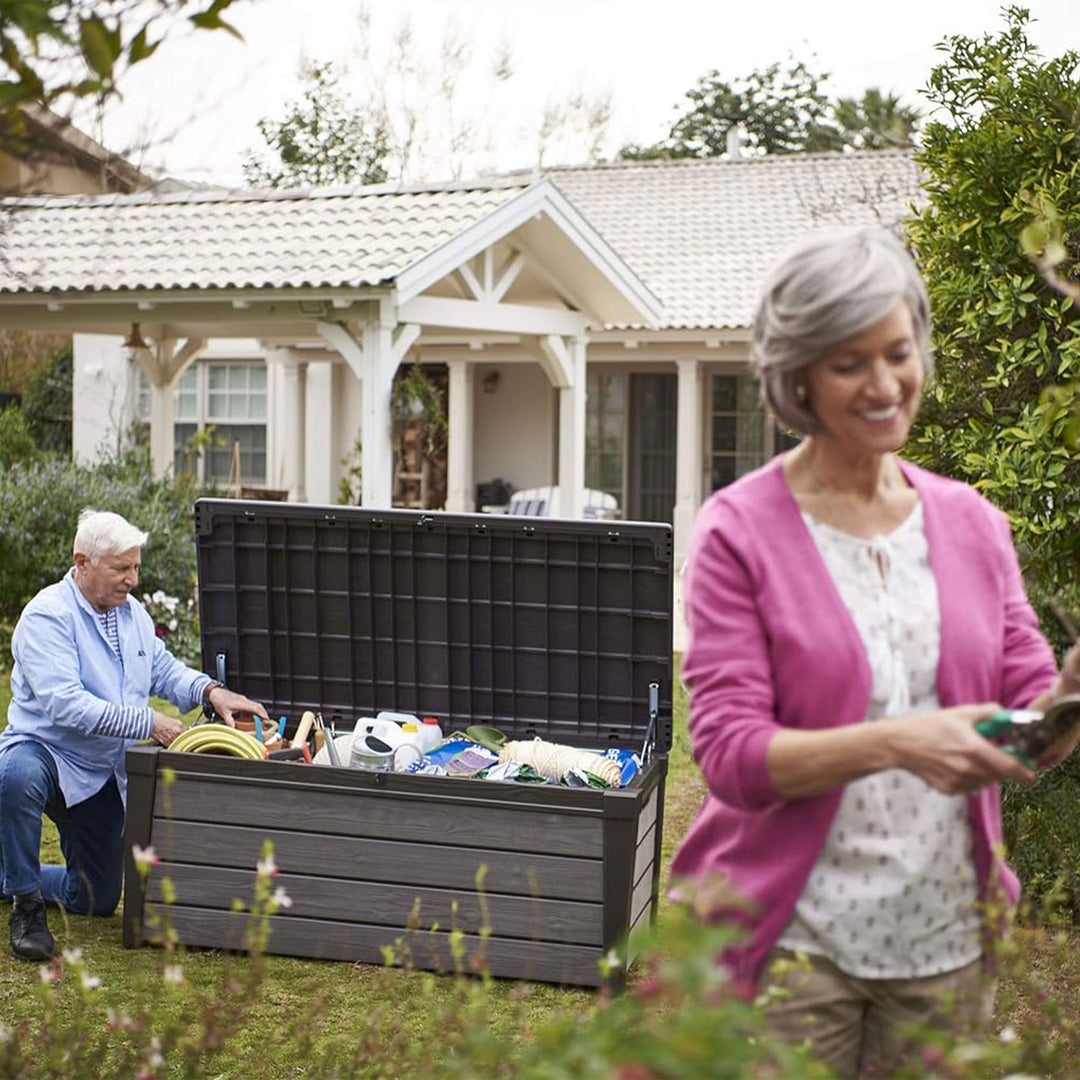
(40, 502)
(46, 403)
(16, 442)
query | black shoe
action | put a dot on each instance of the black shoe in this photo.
(30, 937)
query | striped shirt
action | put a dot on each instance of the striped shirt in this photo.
(121, 721)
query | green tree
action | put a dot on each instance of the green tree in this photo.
(781, 109)
(46, 403)
(876, 121)
(997, 414)
(56, 52)
(322, 140)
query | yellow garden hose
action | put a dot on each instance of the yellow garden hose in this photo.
(219, 739)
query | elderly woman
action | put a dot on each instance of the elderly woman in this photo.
(852, 617)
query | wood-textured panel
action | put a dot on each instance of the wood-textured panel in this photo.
(357, 942)
(322, 899)
(392, 861)
(382, 817)
(647, 818)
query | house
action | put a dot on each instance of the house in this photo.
(590, 325)
(45, 154)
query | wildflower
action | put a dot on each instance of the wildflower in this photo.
(281, 898)
(48, 974)
(144, 857)
(613, 960)
(266, 867)
(173, 624)
(1007, 1034)
(73, 956)
(90, 982)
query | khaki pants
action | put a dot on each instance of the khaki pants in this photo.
(852, 1023)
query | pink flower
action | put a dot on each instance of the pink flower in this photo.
(144, 856)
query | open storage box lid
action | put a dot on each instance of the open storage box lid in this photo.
(536, 626)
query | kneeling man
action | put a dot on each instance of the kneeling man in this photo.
(87, 661)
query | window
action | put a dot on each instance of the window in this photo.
(230, 396)
(738, 429)
(605, 427)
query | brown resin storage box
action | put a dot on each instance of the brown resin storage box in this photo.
(537, 627)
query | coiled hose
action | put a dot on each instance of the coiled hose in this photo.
(219, 739)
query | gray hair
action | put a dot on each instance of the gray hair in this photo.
(102, 533)
(831, 285)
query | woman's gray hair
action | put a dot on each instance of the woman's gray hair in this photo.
(102, 533)
(832, 285)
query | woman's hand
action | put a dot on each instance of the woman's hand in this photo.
(944, 748)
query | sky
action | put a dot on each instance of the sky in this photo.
(197, 101)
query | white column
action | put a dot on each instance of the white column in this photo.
(460, 495)
(321, 427)
(572, 436)
(162, 433)
(688, 454)
(292, 439)
(378, 361)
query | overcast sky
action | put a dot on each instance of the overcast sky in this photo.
(201, 95)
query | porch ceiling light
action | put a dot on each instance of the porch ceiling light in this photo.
(135, 340)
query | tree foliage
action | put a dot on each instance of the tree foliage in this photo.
(322, 140)
(1000, 411)
(56, 52)
(782, 109)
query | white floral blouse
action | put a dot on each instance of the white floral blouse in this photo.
(893, 892)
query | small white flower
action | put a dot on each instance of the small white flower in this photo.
(173, 973)
(266, 867)
(144, 856)
(73, 956)
(1007, 1034)
(281, 898)
(48, 974)
(173, 624)
(90, 982)
(613, 959)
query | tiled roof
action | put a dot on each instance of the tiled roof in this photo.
(228, 240)
(700, 233)
(703, 233)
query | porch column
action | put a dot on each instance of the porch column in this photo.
(162, 432)
(688, 454)
(293, 440)
(379, 367)
(460, 496)
(571, 500)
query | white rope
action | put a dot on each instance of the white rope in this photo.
(553, 760)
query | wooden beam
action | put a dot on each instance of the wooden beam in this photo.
(556, 361)
(508, 276)
(484, 315)
(469, 281)
(345, 344)
(404, 339)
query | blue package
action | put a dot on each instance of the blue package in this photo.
(444, 754)
(629, 763)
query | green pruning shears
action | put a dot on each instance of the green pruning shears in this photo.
(1031, 736)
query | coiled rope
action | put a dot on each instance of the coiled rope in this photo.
(553, 760)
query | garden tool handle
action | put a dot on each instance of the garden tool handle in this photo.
(304, 729)
(993, 727)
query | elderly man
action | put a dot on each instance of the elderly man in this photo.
(87, 660)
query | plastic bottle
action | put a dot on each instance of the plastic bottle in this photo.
(409, 751)
(430, 733)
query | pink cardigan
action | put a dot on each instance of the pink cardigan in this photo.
(771, 645)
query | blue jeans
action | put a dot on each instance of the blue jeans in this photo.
(91, 835)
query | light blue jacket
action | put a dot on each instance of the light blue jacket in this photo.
(66, 676)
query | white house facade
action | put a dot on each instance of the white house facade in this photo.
(590, 326)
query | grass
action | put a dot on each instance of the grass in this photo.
(342, 992)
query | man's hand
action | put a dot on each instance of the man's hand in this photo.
(165, 729)
(226, 704)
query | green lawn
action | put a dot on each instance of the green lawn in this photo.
(343, 993)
